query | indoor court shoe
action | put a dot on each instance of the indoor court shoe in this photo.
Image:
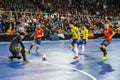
(106, 55)
(104, 58)
(11, 58)
(26, 62)
(75, 57)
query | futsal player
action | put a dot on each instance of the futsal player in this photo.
(109, 33)
(15, 49)
(84, 38)
(39, 33)
(74, 40)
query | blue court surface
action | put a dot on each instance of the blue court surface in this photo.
(60, 64)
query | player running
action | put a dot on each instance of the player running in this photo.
(74, 40)
(84, 39)
(109, 33)
(39, 33)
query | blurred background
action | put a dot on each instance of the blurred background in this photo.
(54, 17)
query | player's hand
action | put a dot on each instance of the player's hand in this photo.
(78, 39)
(27, 51)
(110, 37)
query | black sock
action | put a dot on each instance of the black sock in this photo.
(31, 47)
(104, 51)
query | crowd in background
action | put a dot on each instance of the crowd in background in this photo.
(54, 16)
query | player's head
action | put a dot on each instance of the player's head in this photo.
(106, 26)
(22, 35)
(71, 25)
(84, 26)
(38, 26)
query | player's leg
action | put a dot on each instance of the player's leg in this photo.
(38, 42)
(74, 47)
(15, 53)
(102, 47)
(83, 49)
(83, 44)
(31, 46)
(71, 47)
(76, 51)
(24, 55)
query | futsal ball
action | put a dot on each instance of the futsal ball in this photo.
(44, 57)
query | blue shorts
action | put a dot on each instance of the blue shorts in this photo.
(38, 42)
(105, 43)
(83, 41)
(74, 41)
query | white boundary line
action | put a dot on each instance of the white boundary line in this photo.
(89, 75)
(36, 61)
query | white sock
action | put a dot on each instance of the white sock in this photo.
(72, 49)
(76, 51)
(83, 49)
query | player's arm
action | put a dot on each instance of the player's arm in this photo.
(79, 36)
(70, 39)
(32, 35)
(113, 33)
(23, 47)
(21, 43)
(86, 35)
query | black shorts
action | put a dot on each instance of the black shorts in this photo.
(14, 50)
(105, 43)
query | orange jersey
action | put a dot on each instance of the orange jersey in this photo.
(108, 33)
(38, 33)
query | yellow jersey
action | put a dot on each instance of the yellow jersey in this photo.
(85, 34)
(75, 32)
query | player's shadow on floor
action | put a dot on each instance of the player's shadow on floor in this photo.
(105, 67)
(77, 64)
(16, 65)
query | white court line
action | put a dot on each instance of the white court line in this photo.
(3, 57)
(89, 75)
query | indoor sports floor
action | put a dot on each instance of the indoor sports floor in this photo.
(60, 64)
